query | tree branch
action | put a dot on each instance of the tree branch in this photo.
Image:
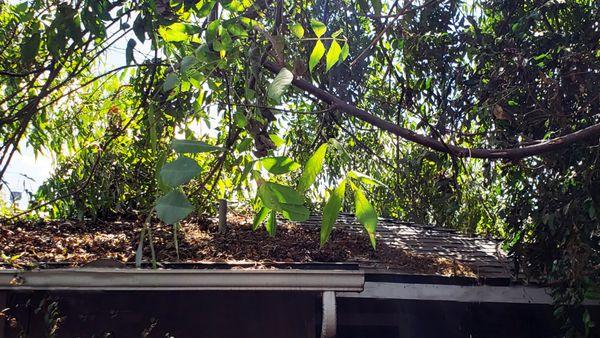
(517, 153)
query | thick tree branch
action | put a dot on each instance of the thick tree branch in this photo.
(541, 147)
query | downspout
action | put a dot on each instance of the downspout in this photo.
(329, 325)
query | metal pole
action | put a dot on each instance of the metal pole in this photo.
(222, 215)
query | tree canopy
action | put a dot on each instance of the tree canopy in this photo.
(477, 115)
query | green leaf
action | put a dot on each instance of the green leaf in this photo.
(312, 168)
(240, 119)
(284, 199)
(366, 179)
(316, 55)
(30, 47)
(187, 62)
(318, 27)
(259, 218)
(297, 30)
(173, 207)
(139, 28)
(193, 146)
(171, 81)
(278, 141)
(337, 33)
(365, 213)
(271, 223)
(333, 55)
(280, 84)
(331, 211)
(345, 52)
(129, 51)
(180, 171)
(225, 43)
(274, 195)
(296, 213)
(377, 6)
(279, 165)
(173, 33)
(21, 7)
(212, 30)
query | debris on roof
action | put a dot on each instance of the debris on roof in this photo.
(401, 248)
(484, 257)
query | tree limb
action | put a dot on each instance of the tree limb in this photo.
(514, 154)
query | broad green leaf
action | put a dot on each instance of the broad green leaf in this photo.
(377, 6)
(259, 218)
(173, 33)
(193, 146)
(316, 55)
(365, 178)
(279, 84)
(278, 141)
(244, 145)
(20, 7)
(274, 195)
(297, 30)
(365, 213)
(212, 30)
(331, 211)
(204, 8)
(173, 207)
(139, 28)
(313, 167)
(171, 81)
(129, 51)
(318, 27)
(333, 55)
(180, 171)
(344, 53)
(296, 213)
(271, 223)
(224, 43)
(236, 5)
(279, 165)
(187, 62)
(240, 119)
(30, 47)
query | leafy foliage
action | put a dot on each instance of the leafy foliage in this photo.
(193, 79)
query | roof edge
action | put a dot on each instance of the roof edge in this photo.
(457, 293)
(140, 279)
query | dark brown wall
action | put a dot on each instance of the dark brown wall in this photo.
(2, 307)
(180, 314)
(271, 315)
(436, 319)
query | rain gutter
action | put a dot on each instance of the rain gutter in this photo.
(141, 279)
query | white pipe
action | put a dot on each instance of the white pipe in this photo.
(329, 324)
